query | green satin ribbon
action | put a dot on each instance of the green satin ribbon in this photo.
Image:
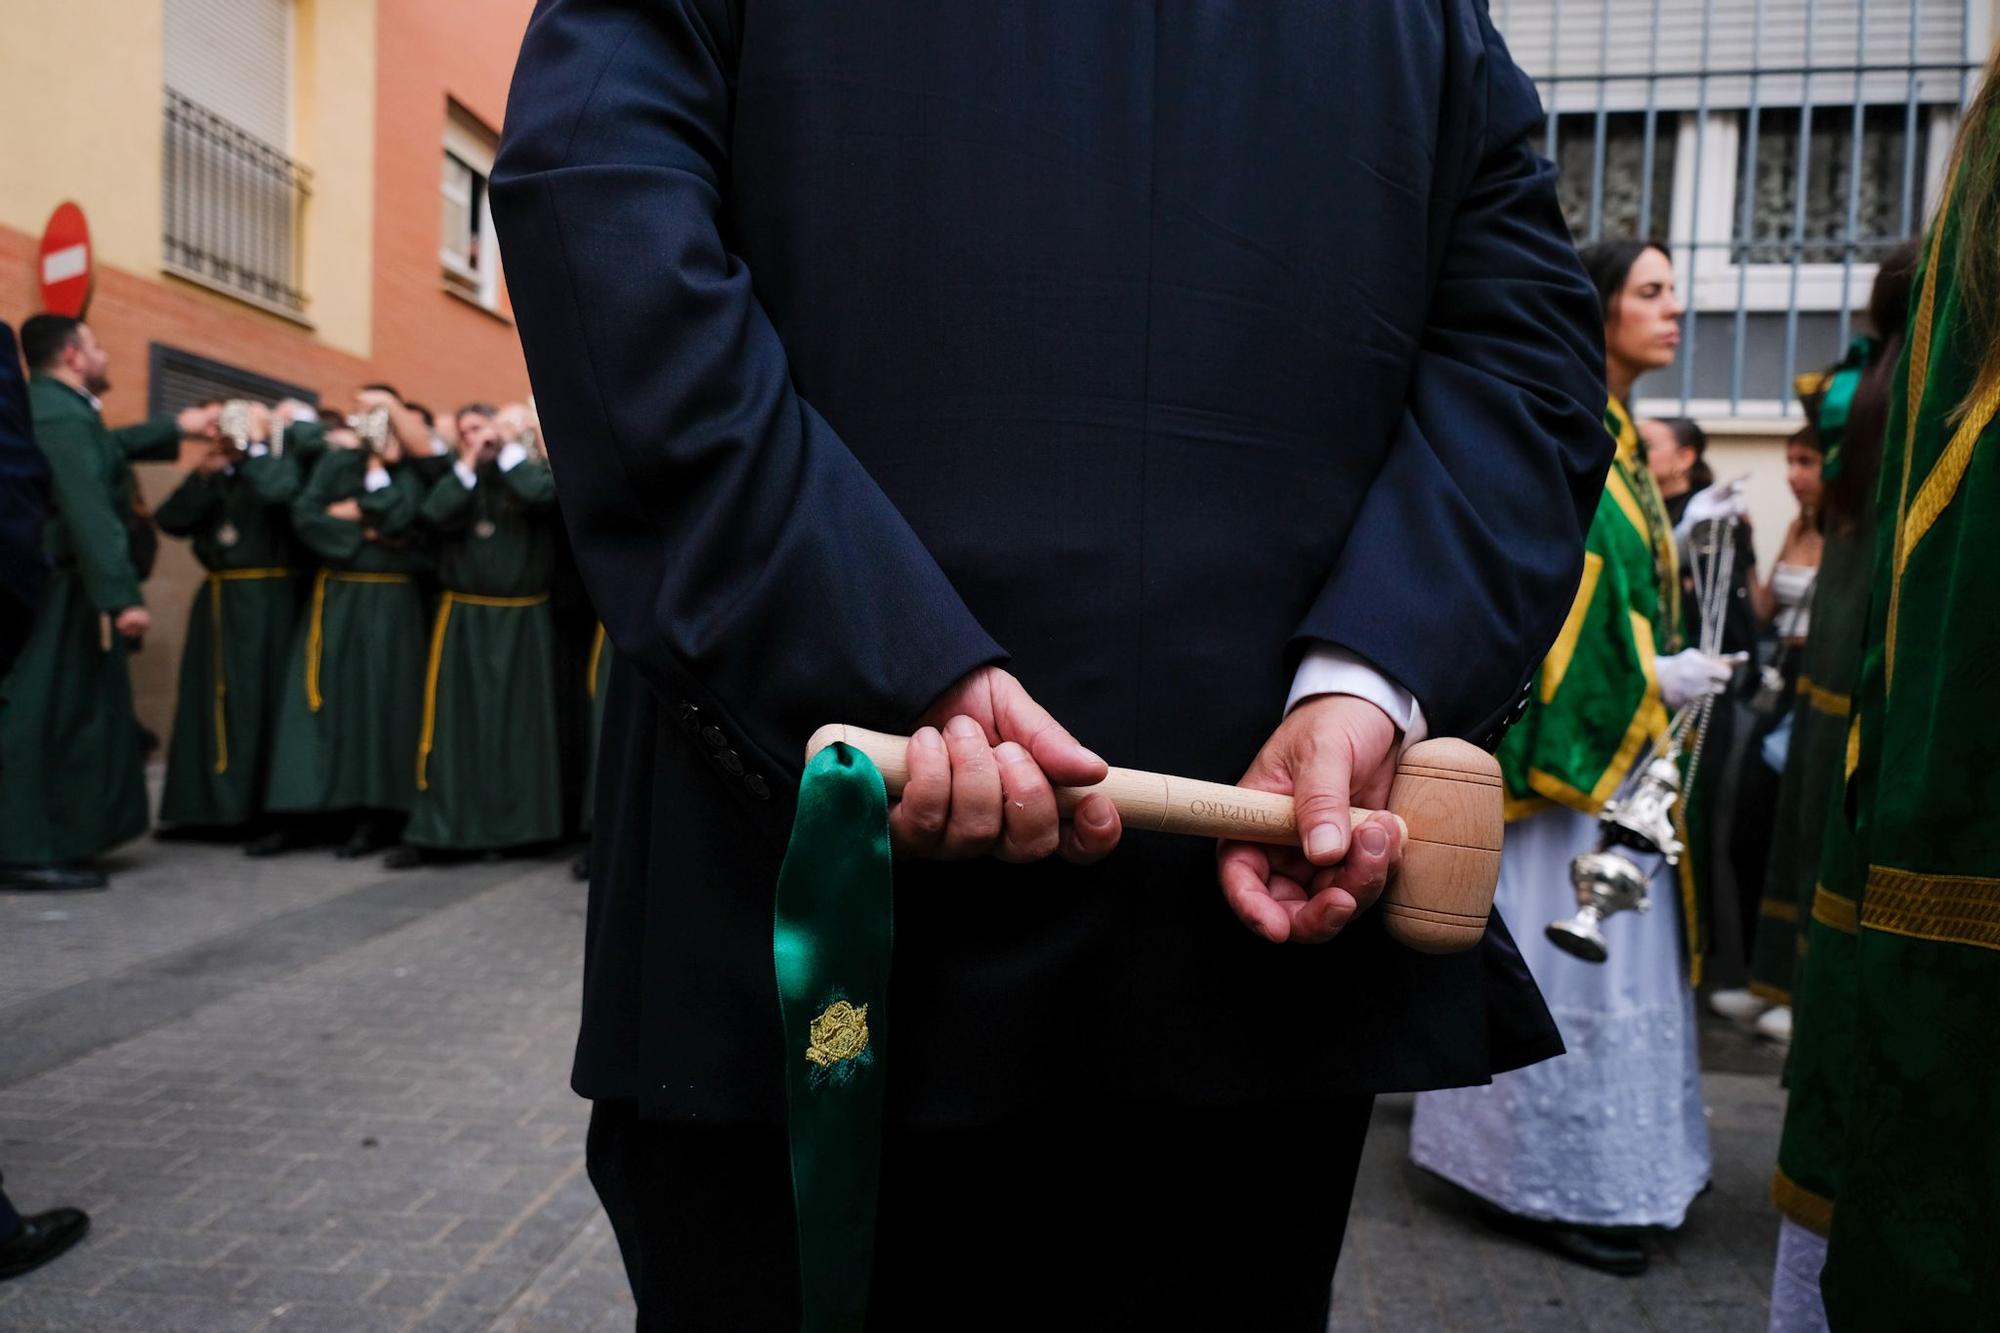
(830, 942)
(1837, 400)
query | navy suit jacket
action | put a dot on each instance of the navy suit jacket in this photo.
(24, 507)
(1135, 345)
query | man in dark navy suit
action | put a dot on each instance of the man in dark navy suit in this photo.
(1207, 381)
(26, 1243)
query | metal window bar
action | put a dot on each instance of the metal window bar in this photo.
(1797, 246)
(234, 207)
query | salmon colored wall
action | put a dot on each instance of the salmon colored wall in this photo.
(433, 345)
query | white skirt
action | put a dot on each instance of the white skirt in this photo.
(1612, 1133)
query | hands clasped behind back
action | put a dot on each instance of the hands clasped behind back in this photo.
(985, 762)
(983, 769)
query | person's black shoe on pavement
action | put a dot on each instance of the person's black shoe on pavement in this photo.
(51, 877)
(1607, 1251)
(26, 1243)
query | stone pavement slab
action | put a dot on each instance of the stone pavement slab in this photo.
(308, 1094)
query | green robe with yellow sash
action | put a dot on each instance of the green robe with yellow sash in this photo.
(1890, 1144)
(1814, 763)
(1594, 707)
(488, 770)
(74, 780)
(347, 709)
(239, 633)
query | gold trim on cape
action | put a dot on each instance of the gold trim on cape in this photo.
(1946, 909)
(1835, 912)
(1812, 1211)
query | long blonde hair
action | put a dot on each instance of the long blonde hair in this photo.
(1976, 164)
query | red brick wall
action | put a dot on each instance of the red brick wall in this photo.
(433, 345)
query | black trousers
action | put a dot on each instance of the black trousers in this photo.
(1097, 1219)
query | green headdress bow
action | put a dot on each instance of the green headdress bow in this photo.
(830, 941)
(1835, 390)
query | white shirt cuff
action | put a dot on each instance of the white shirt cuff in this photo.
(512, 455)
(466, 476)
(1327, 669)
(377, 479)
(304, 413)
(438, 446)
(258, 449)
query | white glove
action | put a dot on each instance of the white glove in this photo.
(1723, 501)
(1691, 674)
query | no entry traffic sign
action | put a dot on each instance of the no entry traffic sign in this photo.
(66, 271)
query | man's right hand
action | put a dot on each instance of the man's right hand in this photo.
(981, 773)
(132, 623)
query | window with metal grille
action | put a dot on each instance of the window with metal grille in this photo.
(1840, 192)
(1610, 179)
(233, 200)
(1778, 147)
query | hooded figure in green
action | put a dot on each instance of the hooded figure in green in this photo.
(1889, 1149)
(487, 767)
(233, 508)
(74, 785)
(347, 713)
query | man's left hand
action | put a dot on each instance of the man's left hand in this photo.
(1331, 752)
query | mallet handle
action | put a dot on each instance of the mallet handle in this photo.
(1156, 801)
(1447, 796)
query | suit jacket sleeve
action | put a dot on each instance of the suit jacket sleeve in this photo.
(1466, 552)
(737, 551)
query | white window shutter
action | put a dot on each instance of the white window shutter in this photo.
(1574, 41)
(234, 58)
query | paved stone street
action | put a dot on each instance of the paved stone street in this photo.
(310, 1094)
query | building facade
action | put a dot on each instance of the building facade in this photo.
(284, 196)
(1779, 148)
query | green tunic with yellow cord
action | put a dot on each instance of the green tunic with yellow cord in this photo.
(1594, 707)
(487, 769)
(74, 781)
(353, 682)
(239, 634)
(1889, 1144)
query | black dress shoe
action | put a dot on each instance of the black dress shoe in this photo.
(51, 877)
(40, 1239)
(579, 869)
(368, 838)
(405, 857)
(1606, 1251)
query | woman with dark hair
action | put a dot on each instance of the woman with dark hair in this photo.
(1677, 456)
(1575, 1152)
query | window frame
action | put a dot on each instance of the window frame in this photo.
(472, 145)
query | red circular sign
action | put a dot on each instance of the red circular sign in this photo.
(63, 262)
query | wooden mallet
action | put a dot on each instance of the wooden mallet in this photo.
(1447, 794)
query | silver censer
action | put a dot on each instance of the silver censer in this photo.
(1607, 880)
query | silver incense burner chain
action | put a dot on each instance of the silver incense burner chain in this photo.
(1639, 818)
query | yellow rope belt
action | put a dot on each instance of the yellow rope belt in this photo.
(316, 627)
(216, 578)
(445, 603)
(596, 656)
